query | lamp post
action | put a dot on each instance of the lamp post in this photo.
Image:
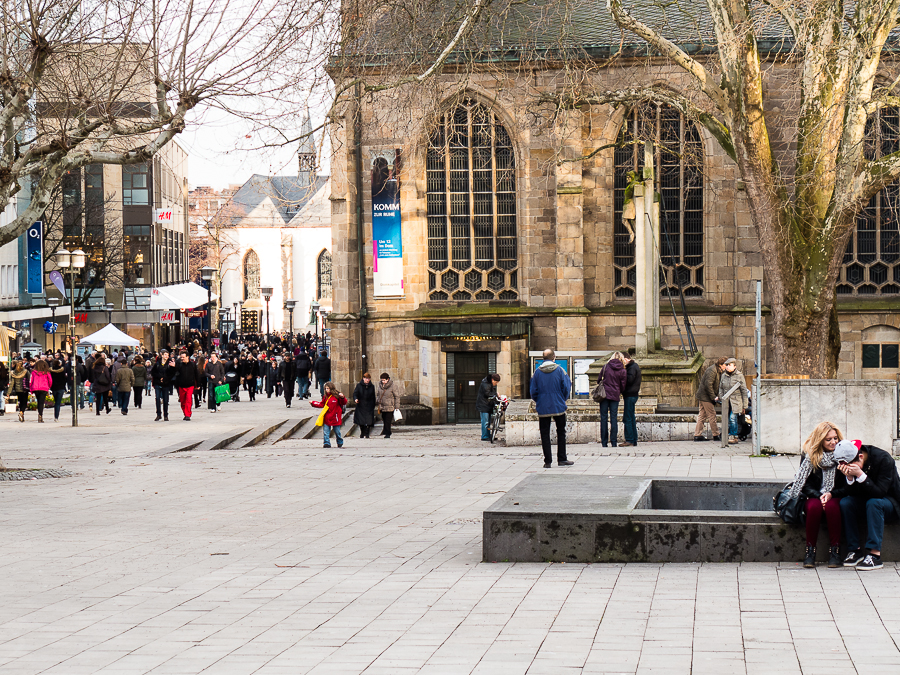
(315, 310)
(266, 292)
(71, 264)
(109, 310)
(238, 317)
(289, 305)
(324, 313)
(207, 273)
(53, 303)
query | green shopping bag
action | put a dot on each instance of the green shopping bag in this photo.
(223, 393)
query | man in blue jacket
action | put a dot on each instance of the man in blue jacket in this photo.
(550, 387)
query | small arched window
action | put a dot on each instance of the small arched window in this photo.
(471, 193)
(251, 275)
(323, 276)
(679, 180)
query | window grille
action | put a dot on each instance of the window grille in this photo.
(251, 275)
(679, 180)
(471, 196)
(871, 260)
(324, 274)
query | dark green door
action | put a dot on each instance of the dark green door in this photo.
(471, 369)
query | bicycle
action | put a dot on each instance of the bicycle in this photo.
(501, 403)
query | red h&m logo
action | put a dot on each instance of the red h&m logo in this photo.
(80, 318)
(166, 317)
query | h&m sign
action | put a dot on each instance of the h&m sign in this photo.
(163, 215)
(80, 318)
(167, 317)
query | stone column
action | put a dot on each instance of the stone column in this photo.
(571, 321)
(646, 252)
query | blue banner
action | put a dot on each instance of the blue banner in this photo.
(387, 238)
(34, 246)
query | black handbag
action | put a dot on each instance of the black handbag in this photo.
(789, 509)
(598, 393)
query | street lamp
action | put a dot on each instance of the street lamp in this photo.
(71, 264)
(207, 273)
(53, 303)
(324, 313)
(315, 310)
(289, 305)
(266, 292)
(109, 310)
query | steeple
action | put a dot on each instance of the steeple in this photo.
(306, 155)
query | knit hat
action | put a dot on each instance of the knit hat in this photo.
(731, 360)
(847, 451)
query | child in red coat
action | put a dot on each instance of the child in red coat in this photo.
(334, 402)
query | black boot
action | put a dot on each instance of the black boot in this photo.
(810, 560)
(834, 556)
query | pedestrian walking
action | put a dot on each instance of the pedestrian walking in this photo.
(287, 374)
(101, 384)
(388, 401)
(140, 379)
(186, 380)
(233, 378)
(322, 369)
(612, 377)
(550, 388)
(215, 377)
(124, 385)
(58, 387)
(4, 386)
(630, 395)
(364, 400)
(333, 401)
(40, 382)
(302, 364)
(18, 387)
(739, 398)
(707, 396)
(200, 389)
(162, 373)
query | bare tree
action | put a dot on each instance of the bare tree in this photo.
(113, 81)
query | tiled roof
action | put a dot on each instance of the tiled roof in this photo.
(288, 193)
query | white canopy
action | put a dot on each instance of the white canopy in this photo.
(179, 296)
(110, 335)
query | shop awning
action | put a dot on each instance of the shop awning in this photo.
(427, 330)
(111, 336)
(25, 313)
(179, 296)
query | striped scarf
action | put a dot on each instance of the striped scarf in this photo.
(827, 464)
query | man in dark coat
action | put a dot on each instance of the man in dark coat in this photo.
(484, 403)
(271, 376)
(287, 374)
(322, 369)
(707, 397)
(302, 365)
(871, 488)
(630, 395)
(215, 377)
(162, 374)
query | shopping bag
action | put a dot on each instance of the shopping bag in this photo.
(223, 393)
(397, 415)
(321, 420)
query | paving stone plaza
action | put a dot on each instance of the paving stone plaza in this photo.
(287, 558)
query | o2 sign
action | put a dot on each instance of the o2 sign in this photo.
(34, 243)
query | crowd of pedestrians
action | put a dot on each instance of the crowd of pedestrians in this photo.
(191, 372)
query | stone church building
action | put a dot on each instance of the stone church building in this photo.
(512, 240)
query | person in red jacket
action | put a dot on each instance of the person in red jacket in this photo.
(334, 414)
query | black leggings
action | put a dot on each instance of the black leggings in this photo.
(387, 418)
(23, 401)
(138, 395)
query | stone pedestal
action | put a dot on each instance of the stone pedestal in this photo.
(665, 375)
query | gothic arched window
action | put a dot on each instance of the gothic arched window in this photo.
(873, 251)
(679, 179)
(251, 275)
(323, 274)
(471, 172)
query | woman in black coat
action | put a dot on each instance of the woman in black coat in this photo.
(364, 397)
(233, 379)
(271, 377)
(287, 373)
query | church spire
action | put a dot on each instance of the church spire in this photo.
(306, 155)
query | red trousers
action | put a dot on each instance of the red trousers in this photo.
(814, 511)
(186, 399)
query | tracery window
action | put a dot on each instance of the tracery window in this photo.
(471, 195)
(873, 252)
(251, 275)
(679, 179)
(323, 268)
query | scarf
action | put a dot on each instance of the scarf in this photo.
(827, 465)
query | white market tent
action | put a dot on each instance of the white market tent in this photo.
(179, 296)
(111, 336)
